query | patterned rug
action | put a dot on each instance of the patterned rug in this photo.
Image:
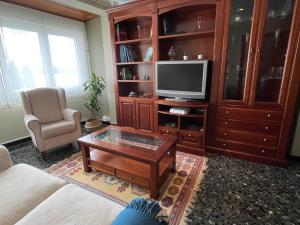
(177, 192)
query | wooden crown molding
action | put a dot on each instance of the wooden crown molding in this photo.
(55, 8)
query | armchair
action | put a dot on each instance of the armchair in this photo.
(49, 122)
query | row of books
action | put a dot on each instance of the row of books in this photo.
(127, 53)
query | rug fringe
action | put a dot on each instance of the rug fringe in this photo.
(192, 198)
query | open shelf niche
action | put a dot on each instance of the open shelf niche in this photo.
(190, 30)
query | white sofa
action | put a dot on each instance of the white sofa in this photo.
(29, 196)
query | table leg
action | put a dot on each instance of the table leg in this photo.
(154, 180)
(174, 159)
(85, 151)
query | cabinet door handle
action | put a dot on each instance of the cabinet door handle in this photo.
(265, 139)
(226, 123)
(262, 151)
(266, 128)
(227, 111)
(269, 115)
(225, 134)
(190, 135)
(224, 144)
(167, 131)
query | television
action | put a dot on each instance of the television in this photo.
(183, 79)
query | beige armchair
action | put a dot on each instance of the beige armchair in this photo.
(48, 120)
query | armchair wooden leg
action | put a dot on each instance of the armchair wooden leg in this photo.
(44, 155)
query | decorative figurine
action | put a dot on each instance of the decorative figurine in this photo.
(132, 94)
(172, 53)
(185, 57)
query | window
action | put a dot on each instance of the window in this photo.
(33, 54)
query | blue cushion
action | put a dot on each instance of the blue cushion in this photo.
(140, 211)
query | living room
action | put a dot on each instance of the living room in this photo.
(149, 112)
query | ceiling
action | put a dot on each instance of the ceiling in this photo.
(111, 3)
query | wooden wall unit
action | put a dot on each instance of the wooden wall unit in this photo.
(254, 45)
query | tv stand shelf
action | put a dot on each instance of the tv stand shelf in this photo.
(189, 128)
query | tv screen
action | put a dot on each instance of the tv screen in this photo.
(181, 79)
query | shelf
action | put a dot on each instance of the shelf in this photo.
(183, 115)
(135, 41)
(191, 104)
(134, 63)
(182, 129)
(135, 81)
(189, 34)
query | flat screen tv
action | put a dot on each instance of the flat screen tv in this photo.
(182, 79)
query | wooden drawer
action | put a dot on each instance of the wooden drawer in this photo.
(246, 137)
(191, 139)
(101, 167)
(132, 178)
(245, 148)
(168, 131)
(264, 128)
(248, 114)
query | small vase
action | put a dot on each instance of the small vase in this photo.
(172, 53)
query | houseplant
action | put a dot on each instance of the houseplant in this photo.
(95, 87)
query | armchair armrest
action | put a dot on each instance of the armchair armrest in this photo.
(32, 123)
(5, 160)
(71, 115)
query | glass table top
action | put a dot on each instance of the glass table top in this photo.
(125, 138)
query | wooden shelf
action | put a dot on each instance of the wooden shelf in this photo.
(134, 63)
(183, 115)
(189, 34)
(135, 81)
(192, 104)
(135, 41)
(184, 130)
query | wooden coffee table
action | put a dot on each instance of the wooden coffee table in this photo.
(139, 157)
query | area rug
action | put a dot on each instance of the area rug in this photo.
(177, 193)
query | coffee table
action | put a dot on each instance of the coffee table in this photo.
(139, 157)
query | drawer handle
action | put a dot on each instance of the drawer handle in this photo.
(227, 111)
(225, 134)
(167, 131)
(169, 153)
(190, 135)
(269, 115)
(226, 123)
(266, 128)
(224, 144)
(262, 151)
(265, 139)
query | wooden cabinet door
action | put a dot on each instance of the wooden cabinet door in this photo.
(241, 17)
(127, 112)
(144, 114)
(276, 44)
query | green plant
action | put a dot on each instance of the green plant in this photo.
(95, 87)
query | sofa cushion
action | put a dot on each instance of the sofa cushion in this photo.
(58, 128)
(45, 104)
(22, 188)
(73, 205)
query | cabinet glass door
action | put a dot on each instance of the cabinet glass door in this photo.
(273, 49)
(238, 39)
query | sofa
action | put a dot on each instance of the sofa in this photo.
(29, 196)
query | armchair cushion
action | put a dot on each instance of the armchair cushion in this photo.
(5, 160)
(57, 128)
(45, 105)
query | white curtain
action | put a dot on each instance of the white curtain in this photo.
(40, 50)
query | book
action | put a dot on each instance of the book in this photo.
(149, 53)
